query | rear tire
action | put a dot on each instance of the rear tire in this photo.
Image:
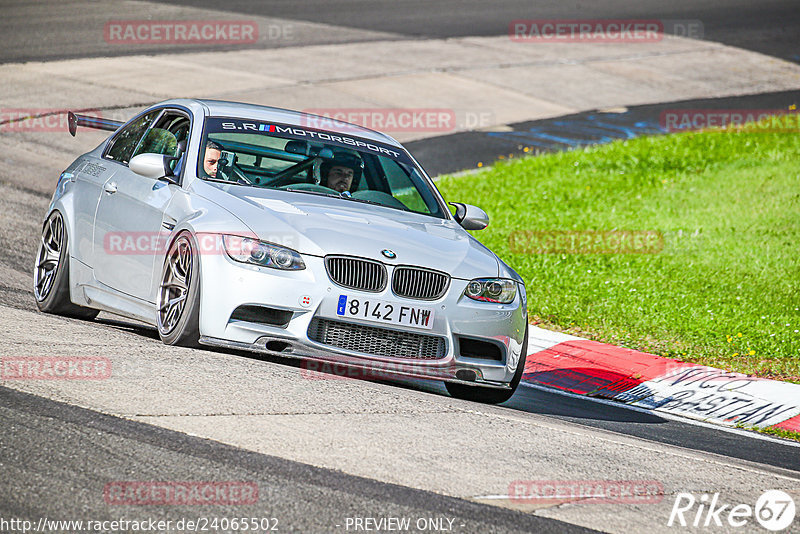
(490, 395)
(178, 302)
(51, 272)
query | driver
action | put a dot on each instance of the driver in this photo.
(211, 158)
(341, 172)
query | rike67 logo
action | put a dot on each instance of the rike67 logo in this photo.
(774, 510)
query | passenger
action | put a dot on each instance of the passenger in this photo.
(211, 158)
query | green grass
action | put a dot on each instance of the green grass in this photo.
(725, 289)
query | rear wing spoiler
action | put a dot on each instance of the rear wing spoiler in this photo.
(88, 121)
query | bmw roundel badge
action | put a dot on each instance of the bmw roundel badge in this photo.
(388, 253)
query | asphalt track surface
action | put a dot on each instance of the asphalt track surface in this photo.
(67, 482)
(647, 426)
(54, 477)
(770, 27)
(55, 29)
(465, 150)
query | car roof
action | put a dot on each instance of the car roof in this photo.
(222, 108)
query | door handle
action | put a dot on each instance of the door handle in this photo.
(110, 188)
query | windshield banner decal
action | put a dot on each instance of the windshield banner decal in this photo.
(288, 131)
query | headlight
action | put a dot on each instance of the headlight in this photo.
(497, 290)
(247, 250)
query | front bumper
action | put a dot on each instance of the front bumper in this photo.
(309, 294)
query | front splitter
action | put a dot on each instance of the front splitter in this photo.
(370, 369)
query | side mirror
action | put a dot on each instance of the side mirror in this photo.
(470, 217)
(155, 166)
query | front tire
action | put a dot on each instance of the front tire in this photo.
(178, 302)
(51, 272)
(490, 395)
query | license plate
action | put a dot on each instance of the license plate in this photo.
(379, 311)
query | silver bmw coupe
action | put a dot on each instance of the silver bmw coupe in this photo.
(275, 231)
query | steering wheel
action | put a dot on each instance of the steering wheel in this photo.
(237, 175)
(282, 178)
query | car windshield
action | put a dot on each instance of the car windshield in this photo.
(306, 160)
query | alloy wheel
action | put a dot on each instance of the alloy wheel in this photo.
(49, 257)
(174, 288)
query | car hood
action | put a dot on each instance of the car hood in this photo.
(319, 226)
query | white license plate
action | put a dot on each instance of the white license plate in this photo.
(379, 311)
